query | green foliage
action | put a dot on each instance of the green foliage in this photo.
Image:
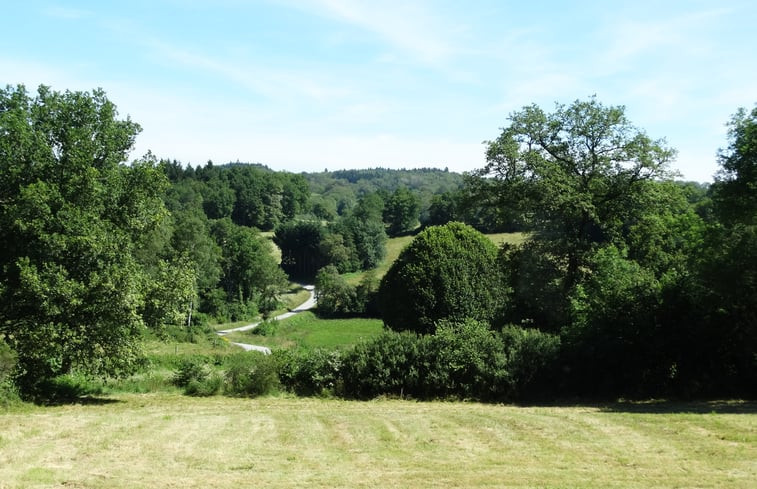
(70, 220)
(311, 372)
(338, 252)
(735, 188)
(334, 295)
(447, 272)
(169, 294)
(252, 375)
(466, 360)
(442, 209)
(532, 357)
(388, 365)
(401, 211)
(363, 228)
(579, 174)
(209, 386)
(268, 327)
(532, 279)
(8, 360)
(462, 360)
(191, 369)
(197, 377)
(250, 274)
(300, 247)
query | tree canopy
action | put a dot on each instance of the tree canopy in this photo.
(70, 217)
(447, 272)
(577, 174)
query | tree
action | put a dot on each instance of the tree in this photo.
(729, 264)
(335, 296)
(300, 247)
(363, 228)
(735, 188)
(447, 272)
(577, 174)
(250, 273)
(70, 211)
(401, 211)
(218, 199)
(442, 209)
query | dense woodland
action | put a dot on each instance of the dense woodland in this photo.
(631, 283)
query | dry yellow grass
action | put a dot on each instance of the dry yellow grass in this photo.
(154, 441)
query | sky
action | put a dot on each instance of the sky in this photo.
(309, 85)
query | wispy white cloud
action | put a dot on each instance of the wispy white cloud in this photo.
(251, 75)
(410, 27)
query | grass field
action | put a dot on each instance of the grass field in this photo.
(395, 246)
(167, 440)
(306, 329)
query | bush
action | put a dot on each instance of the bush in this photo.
(209, 386)
(466, 360)
(252, 374)
(314, 372)
(447, 272)
(391, 364)
(335, 296)
(532, 356)
(191, 370)
(8, 359)
(463, 360)
(267, 328)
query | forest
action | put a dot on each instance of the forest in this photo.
(630, 283)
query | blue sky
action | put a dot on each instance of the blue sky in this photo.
(314, 84)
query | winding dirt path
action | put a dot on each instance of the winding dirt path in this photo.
(308, 304)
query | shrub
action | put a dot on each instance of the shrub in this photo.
(466, 360)
(252, 374)
(531, 356)
(209, 386)
(267, 328)
(447, 272)
(391, 364)
(8, 359)
(192, 369)
(314, 372)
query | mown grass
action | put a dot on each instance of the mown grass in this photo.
(168, 440)
(308, 330)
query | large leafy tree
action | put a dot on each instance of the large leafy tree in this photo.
(735, 188)
(577, 174)
(71, 211)
(730, 261)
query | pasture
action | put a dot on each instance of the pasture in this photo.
(168, 440)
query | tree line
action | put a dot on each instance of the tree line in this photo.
(647, 284)
(632, 283)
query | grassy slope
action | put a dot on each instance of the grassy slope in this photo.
(306, 329)
(395, 246)
(168, 440)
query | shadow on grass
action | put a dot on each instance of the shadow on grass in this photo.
(683, 407)
(65, 390)
(658, 406)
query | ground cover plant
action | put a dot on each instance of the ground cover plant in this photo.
(169, 440)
